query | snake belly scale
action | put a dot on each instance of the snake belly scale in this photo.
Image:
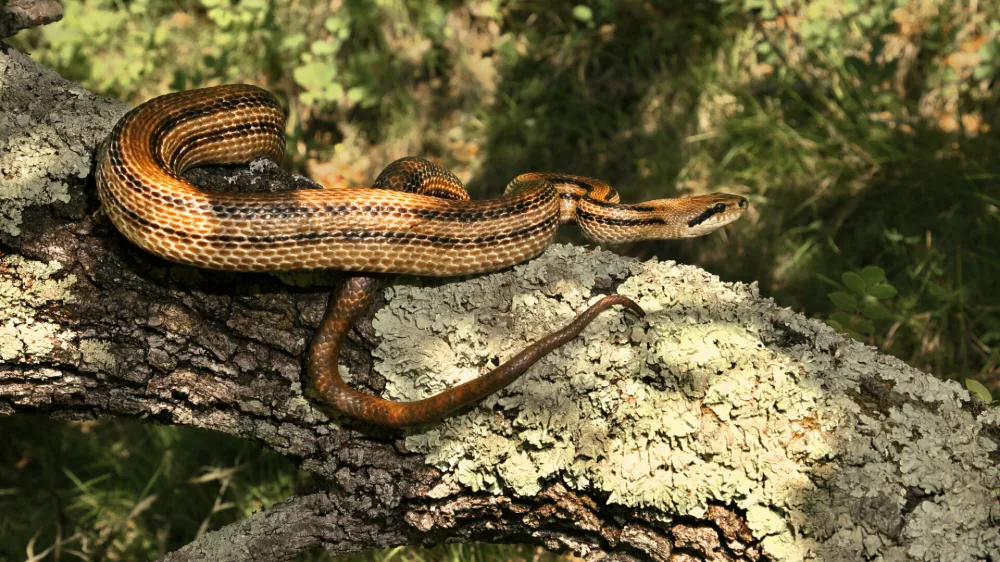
(415, 219)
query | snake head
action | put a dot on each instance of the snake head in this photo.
(706, 213)
(661, 219)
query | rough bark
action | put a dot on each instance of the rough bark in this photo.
(720, 427)
(18, 15)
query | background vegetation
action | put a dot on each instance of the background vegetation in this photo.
(864, 133)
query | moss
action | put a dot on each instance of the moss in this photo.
(697, 403)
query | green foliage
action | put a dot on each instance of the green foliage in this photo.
(863, 302)
(316, 57)
(988, 66)
(869, 138)
(979, 390)
(584, 14)
(114, 490)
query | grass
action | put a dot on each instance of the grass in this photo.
(867, 139)
(123, 490)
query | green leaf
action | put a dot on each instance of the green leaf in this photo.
(356, 94)
(855, 335)
(854, 282)
(875, 311)
(338, 27)
(333, 91)
(294, 41)
(865, 327)
(844, 301)
(979, 390)
(583, 13)
(873, 275)
(982, 72)
(938, 292)
(883, 291)
(841, 317)
(988, 51)
(322, 48)
(314, 75)
(835, 325)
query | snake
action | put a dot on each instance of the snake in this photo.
(416, 218)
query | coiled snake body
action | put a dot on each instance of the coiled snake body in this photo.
(416, 219)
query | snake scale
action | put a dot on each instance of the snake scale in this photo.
(415, 219)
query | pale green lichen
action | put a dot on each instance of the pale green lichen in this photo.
(764, 521)
(697, 403)
(46, 137)
(97, 354)
(26, 286)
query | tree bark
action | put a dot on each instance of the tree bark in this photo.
(17, 15)
(720, 427)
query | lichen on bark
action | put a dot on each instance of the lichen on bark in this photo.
(717, 396)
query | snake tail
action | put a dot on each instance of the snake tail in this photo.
(351, 298)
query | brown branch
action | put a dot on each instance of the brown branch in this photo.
(25, 14)
(719, 428)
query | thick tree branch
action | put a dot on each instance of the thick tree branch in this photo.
(721, 427)
(18, 15)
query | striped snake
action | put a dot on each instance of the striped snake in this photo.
(416, 219)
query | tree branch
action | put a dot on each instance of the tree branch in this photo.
(720, 427)
(17, 15)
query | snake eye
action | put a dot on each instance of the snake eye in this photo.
(719, 207)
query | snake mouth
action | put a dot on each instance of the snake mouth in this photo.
(725, 209)
(711, 212)
(704, 216)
